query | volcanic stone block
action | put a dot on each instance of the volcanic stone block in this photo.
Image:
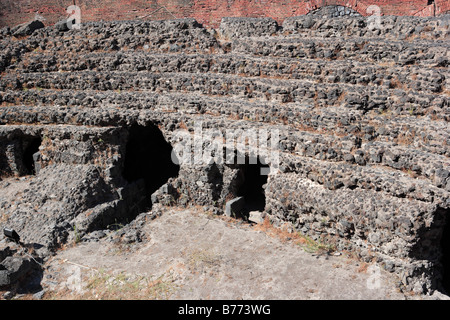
(4, 278)
(256, 216)
(248, 27)
(234, 207)
(62, 26)
(13, 269)
(28, 28)
(6, 252)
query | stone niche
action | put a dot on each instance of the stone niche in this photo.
(20, 154)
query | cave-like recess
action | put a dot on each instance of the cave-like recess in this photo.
(148, 158)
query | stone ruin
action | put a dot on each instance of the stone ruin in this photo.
(89, 119)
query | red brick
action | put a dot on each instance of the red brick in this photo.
(208, 12)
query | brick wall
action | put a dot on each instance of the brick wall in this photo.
(208, 12)
(442, 6)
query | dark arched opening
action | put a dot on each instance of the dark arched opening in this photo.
(31, 154)
(433, 245)
(253, 178)
(148, 160)
(445, 253)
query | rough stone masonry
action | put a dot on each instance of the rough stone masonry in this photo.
(88, 120)
(206, 12)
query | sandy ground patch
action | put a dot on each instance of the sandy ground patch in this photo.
(192, 255)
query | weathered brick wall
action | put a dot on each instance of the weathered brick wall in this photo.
(443, 6)
(208, 12)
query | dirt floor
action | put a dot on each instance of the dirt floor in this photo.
(192, 255)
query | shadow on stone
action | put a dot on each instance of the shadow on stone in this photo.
(249, 189)
(20, 273)
(445, 257)
(434, 248)
(31, 155)
(148, 159)
(254, 178)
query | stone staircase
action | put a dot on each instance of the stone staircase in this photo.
(363, 117)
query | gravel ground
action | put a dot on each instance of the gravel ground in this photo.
(188, 254)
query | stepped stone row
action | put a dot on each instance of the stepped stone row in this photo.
(284, 91)
(416, 78)
(362, 115)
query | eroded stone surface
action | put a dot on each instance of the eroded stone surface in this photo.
(362, 117)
